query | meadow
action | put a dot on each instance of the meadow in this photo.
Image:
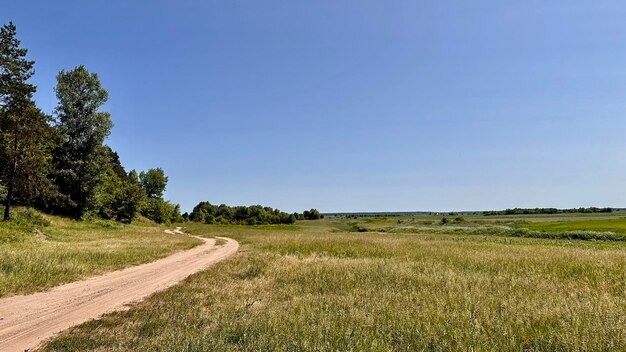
(316, 286)
(68, 250)
(616, 225)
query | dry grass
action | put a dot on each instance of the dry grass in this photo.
(75, 250)
(322, 290)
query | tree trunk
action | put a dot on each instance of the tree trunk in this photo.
(7, 203)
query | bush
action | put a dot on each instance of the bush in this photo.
(354, 227)
(97, 220)
(29, 217)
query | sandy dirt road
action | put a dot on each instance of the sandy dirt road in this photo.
(26, 321)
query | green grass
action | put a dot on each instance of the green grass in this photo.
(612, 225)
(320, 289)
(74, 250)
(515, 230)
(592, 227)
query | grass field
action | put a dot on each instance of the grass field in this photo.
(598, 227)
(616, 225)
(74, 250)
(320, 288)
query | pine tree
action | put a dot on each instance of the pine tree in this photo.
(24, 131)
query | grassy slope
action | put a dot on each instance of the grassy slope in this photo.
(76, 250)
(319, 289)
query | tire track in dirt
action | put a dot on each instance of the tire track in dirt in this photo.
(26, 321)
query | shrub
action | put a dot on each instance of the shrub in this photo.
(354, 227)
(29, 217)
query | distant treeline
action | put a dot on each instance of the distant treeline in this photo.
(59, 162)
(527, 211)
(208, 213)
(379, 214)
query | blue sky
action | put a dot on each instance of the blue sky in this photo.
(353, 105)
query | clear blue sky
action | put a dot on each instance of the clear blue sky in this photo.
(354, 105)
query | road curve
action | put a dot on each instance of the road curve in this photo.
(26, 321)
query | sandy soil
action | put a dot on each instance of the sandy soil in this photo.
(26, 321)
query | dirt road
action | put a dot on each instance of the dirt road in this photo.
(25, 321)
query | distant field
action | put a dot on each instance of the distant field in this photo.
(477, 219)
(74, 250)
(613, 225)
(324, 289)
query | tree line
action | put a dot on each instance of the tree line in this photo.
(59, 162)
(527, 211)
(208, 213)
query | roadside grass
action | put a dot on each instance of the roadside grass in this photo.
(322, 290)
(74, 250)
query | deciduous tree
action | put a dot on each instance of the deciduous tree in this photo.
(153, 182)
(80, 159)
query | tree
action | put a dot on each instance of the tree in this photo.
(118, 196)
(253, 215)
(3, 194)
(25, 157)
(24, 129)
(175, 215)
(312, 214)
(153, 182)
(114, 162)
(225, 211)
(161, 211)
(80, 158)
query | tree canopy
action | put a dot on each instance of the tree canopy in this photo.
(153, 182)
(80, 157)
(24, 129)
(61, 163)
(242, 215)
